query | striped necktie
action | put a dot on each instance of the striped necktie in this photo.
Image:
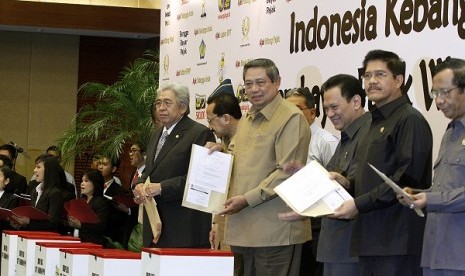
(161, 142)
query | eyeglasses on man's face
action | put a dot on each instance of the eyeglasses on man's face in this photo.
(211, 119)
(378, 75)
(166, 103)
(259, 82)
(441, 93)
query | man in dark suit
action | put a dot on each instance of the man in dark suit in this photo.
(18, 183)
(167, 163)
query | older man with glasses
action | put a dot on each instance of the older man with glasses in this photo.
(443, 246)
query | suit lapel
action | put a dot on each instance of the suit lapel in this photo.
(172, 139)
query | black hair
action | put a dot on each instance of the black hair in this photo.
(349, 86)
(226, 104)
(96, 177)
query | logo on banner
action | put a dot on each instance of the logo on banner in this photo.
(166, 64)
(269, 41)
(245, 30)
(243, 2)
(221, 69)
(200, 101)
(202, 52)
(240, 93)
(224, 5)
(270, 9)
(167, 15)
(203, 14)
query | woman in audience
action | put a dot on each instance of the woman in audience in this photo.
(47, 196)
(92, 191)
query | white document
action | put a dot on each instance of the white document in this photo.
(397, 189)
(310, 192)
(207, 180)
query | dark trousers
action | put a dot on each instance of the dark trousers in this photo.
(272, 260)
(405, 265)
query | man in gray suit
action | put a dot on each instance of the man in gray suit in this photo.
(443, 246)
(167, 163)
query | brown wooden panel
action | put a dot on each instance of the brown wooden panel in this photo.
(80, 17)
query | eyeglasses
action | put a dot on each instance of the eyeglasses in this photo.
(167, 103)
(132, 151)
(377, 74)
(259, 83)
(211, 119)
(441, 92)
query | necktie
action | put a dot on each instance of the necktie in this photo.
(134, 179)
(161, 142)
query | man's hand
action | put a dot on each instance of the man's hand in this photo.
(290, 216)
(292, 167)
(212, 146)
(153, 189)
(340, 179)
(419, 200)
(212, 235)
(347, 210)
(139, 194)
(234, 205)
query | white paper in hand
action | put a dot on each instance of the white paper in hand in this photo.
(306, 187)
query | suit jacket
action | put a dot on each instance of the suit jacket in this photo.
(182, 227)
(114, 189)
(94, 232)
(7, 201)
(17, 185)
(117, 219)
(52, 204)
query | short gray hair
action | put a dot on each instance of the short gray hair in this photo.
(180, 91)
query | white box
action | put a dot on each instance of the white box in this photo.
(47, 257)
(114, 262)
(75, 261)
(186, 261)
(9, 249)
(25, 256)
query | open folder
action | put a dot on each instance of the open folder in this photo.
(79, 209)
(397, 189)
(207, 182)
(310, 192)
(30, 212)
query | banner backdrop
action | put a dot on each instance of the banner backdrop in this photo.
(204, 42)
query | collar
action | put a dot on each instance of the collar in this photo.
(172, 127)
(108, 183)
(140, 170)
(314, 127)
(386, 110)
(268, 110)
(39, 188)
(2, 192)
(357, 124)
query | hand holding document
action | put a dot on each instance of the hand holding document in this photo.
(207, 181)
(397, 189)
(310, 192)
(79, 209)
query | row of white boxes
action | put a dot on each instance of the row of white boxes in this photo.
(26, 253)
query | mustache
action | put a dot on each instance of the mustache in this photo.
(373, 87)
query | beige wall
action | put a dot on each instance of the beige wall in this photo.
(148, 4)
(38, 86)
